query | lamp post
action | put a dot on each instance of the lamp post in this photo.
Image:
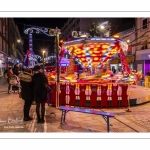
(43, 60)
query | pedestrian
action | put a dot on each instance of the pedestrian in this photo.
(114, 70)
(9, 75)
(40, 93)
(27, 92)
(16, 69)
(6, 70)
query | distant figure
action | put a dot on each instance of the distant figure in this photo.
(114, 70)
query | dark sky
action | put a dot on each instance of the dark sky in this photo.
(43, 41)
(39, 40)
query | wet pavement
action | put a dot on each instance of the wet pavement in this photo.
(11, 118)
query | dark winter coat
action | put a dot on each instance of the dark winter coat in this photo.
(16, 70)
(26, 86)
(39, 82)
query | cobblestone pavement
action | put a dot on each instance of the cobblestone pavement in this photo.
(11, 118)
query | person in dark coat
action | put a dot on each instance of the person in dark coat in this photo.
(16, 69)
(148, 73)
(27, 91)
(40, 93)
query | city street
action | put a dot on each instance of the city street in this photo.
(11, 118)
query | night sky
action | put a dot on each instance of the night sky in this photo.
(43, 41)
(39, 40)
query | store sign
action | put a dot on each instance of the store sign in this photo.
(63, 65)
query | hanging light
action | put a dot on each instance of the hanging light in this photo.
(31, 31)
(37, 31)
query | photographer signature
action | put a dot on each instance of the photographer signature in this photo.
(10, 120)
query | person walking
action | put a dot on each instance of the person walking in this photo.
(9, 75)
(40, 93)
(27, 92)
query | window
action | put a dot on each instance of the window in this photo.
(4, 50)
(0, 43)
(144, 23)
(0, 25)
(6, 46)
(4, 34)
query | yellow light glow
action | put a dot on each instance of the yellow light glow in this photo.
(105, 46)
(96, 52)
(116, 36)
(78, 52)
(18, 40)
(128, 41)
(94, 55)
(102, 27)
(95, 58)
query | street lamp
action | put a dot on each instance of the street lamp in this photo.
(102, 27)
(43, 60)
(105, 28)
(18, 41)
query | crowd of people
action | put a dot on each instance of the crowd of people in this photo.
(33, 88)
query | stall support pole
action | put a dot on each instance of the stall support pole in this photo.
(57, 67)
(128, 109)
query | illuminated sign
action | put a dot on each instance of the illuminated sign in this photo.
(64, 65)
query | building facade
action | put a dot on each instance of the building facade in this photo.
(127, 36)
(4, 53)
(77, 24)
(142, 45)
(11, 44)
(15, 43)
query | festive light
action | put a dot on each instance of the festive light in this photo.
(97, 51)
